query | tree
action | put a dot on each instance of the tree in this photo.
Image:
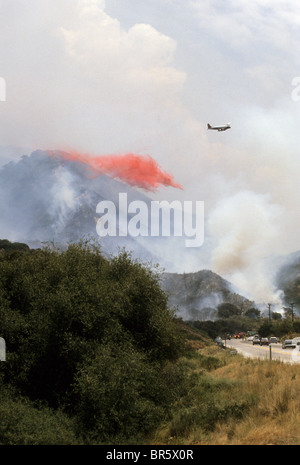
(296, 326)
(253, 313)
(8, 246)
(265, 329)
(226, 310)
(276, 316)
(82, 330)
(284, 327)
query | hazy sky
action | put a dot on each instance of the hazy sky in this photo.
(146, 76)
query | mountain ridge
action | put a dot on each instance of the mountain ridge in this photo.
(197, 295)
(46, 199)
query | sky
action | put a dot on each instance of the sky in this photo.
(118, 76)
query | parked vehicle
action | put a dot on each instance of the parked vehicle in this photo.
(264, 341)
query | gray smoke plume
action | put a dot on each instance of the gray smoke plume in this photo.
(46, 198)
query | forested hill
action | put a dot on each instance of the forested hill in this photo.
(197, 295)
(8, 246)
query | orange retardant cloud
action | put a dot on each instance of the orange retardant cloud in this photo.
(134, 170)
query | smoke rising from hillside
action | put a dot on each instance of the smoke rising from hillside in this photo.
(51, 198)
(46, 198)
(99, 77)
(246, 229)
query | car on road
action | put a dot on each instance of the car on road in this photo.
(288, 343)
(264, 341)
(256, 340)
(219, 341)
(240, 335)
(273, 340)
(291, 343)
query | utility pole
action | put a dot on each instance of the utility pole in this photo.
(269, 305)
(292, 306)
(270, 348)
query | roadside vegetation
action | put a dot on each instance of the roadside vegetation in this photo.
(95, 356)
(236, 401)
(92, 347)
(282, 327)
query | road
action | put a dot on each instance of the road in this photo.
(263, 352)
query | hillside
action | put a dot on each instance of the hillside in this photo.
(47, 198)
(197, 295)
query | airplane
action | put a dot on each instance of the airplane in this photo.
(219, 128)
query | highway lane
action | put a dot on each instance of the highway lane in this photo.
(263, 352)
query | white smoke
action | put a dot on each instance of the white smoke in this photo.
(63, 197)
(97, 78)
(246, 229)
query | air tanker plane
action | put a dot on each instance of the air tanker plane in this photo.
(219, 128)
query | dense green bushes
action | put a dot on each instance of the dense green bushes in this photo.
(91, 338)
(24, 422)
(94, 355)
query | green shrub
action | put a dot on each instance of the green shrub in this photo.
(89, 335)
(208, 362)
(23, 422)
(121, 395)
(207, 402)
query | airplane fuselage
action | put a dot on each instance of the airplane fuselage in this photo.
(219, 128)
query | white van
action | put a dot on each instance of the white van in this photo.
(291, 343)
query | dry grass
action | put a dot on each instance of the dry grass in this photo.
(275, 415)
(272, 390)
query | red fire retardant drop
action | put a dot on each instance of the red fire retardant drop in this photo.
(135, 170)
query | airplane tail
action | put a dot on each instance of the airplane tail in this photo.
(208, 126)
